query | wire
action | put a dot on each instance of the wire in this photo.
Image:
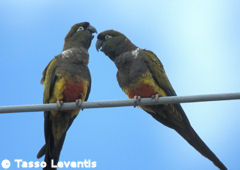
(119, 103)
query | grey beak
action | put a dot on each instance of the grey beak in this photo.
(91, 29)
(99, 44)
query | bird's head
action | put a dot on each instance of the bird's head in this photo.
(113, 43)
(80, 35)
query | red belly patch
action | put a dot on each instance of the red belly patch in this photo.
(143, 90)
(73, 90)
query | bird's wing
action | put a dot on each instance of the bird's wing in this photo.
(48, 79)
(89, 86)
(180, 122)
(156, 69)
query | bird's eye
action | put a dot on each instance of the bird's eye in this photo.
(81, 28)
(107, 37)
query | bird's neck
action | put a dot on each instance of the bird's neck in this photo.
(121, 48)
(76, 44)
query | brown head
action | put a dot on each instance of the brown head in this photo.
(113, 43)
(80, 35)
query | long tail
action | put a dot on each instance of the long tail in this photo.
(188, 133)
(193, 139)
(51, 153)
(41, 152)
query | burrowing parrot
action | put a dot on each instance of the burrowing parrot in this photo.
(141, 74)
(66, 79)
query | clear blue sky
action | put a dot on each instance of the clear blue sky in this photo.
(198, 43)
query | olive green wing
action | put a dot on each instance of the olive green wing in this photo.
(174, 114)
(172, 111)
(48, 79)
(89, 85)
(157, 71)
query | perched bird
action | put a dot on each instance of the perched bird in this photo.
(66, 79)
(141, 74)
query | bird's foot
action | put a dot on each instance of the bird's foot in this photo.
(79, 102)
(59, 104)
(136, 99)
(155, 97)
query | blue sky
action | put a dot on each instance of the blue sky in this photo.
(198, 43)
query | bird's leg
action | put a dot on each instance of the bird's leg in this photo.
(155, 97)
(59, 104)
(136, 100)
(79, 102)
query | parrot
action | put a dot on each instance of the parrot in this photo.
(140, 74)
(66, 79)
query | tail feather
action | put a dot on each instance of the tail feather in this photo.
(53, 146)
(183, 127)
(193, 139)
(52, 153)
(41, 152)
(48, 159)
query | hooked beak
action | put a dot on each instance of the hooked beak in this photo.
(91, 29)
(99, 44)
